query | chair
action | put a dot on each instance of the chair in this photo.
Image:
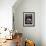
(18, 39)
(29, 43)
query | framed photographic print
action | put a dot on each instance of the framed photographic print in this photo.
(28, 19)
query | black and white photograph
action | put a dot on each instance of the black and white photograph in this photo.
(28, 19)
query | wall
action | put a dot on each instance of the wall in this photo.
(43, 22)
(6, 13)
(32, 33)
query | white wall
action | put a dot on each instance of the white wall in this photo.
(29, 32)
(43, 22)
(6, 13)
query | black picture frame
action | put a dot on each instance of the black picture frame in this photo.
(28, 19)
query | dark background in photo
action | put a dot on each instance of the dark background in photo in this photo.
(28, 18)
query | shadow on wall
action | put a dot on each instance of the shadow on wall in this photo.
(18, 2)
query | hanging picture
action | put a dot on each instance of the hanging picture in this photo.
(28, 19)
